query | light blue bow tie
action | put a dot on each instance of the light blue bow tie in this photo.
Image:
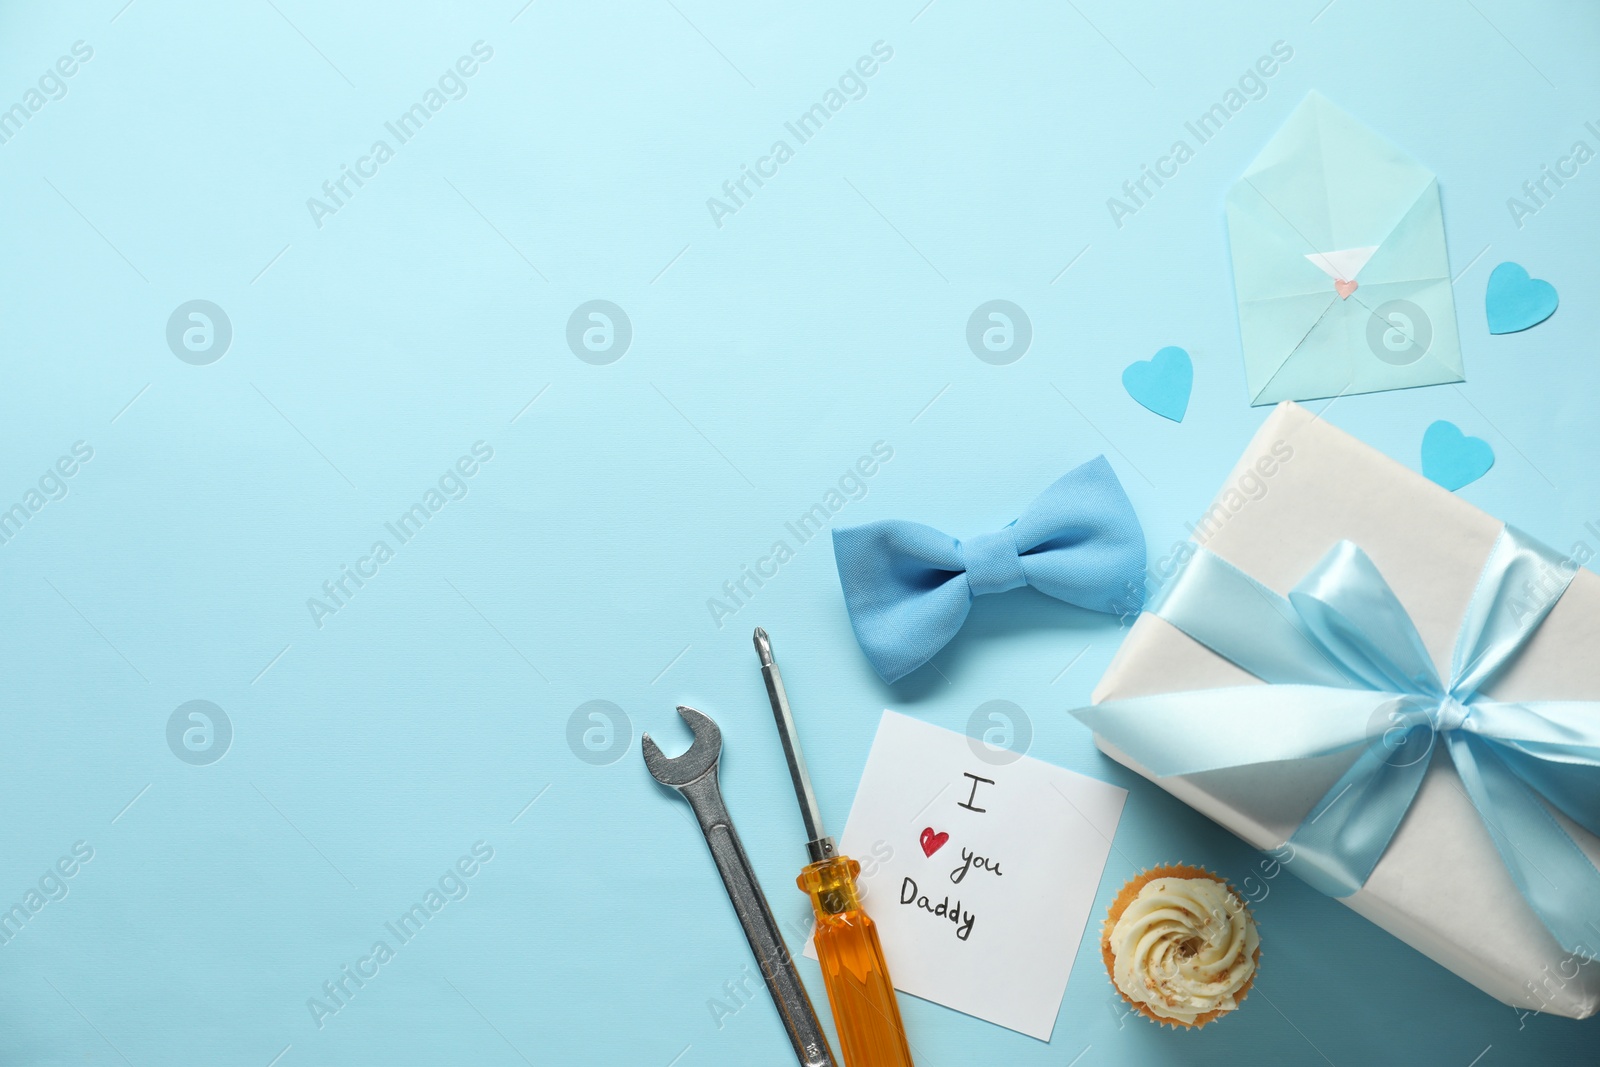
(908, 587)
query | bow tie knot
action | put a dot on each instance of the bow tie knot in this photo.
(992, 562)
(908, 587)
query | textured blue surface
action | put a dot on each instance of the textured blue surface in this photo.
(828, 311)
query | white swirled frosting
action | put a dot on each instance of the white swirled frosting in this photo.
(1184, 947)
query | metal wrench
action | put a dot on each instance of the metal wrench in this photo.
(694, 774)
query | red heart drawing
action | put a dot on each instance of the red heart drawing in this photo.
(1345, 288)
(932, 842)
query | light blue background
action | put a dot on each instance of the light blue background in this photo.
(827, 314)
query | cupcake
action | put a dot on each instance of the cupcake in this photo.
(1180, 946)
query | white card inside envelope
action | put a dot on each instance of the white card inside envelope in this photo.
(1003, 942)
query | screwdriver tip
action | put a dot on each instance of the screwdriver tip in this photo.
(763, 647)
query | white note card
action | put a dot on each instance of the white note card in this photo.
(980, 868)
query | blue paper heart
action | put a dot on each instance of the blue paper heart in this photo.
(1162, 384)
(1453, 459)
(1515, 301)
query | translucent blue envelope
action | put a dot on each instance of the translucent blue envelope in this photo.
(1339, 264)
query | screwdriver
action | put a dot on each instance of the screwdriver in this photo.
(859, 990)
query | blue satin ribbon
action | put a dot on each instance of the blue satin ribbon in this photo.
(1348, 670)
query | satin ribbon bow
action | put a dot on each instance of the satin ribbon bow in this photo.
(1348, 670)
(908, 587)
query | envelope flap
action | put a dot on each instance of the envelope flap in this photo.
(1393, 335)
(1273, 331)
(1415, 250)
(1269, 258)
(1338, 184)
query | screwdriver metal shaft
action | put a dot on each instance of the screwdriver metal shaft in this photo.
(819, 846)
(860, 991)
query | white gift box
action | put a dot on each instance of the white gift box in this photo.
(1301, 487)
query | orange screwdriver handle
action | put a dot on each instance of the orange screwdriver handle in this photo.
(859, 989)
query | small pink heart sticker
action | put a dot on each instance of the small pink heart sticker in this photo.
(1345, 288)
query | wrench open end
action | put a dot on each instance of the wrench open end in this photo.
(701, 756)
(694, 776)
